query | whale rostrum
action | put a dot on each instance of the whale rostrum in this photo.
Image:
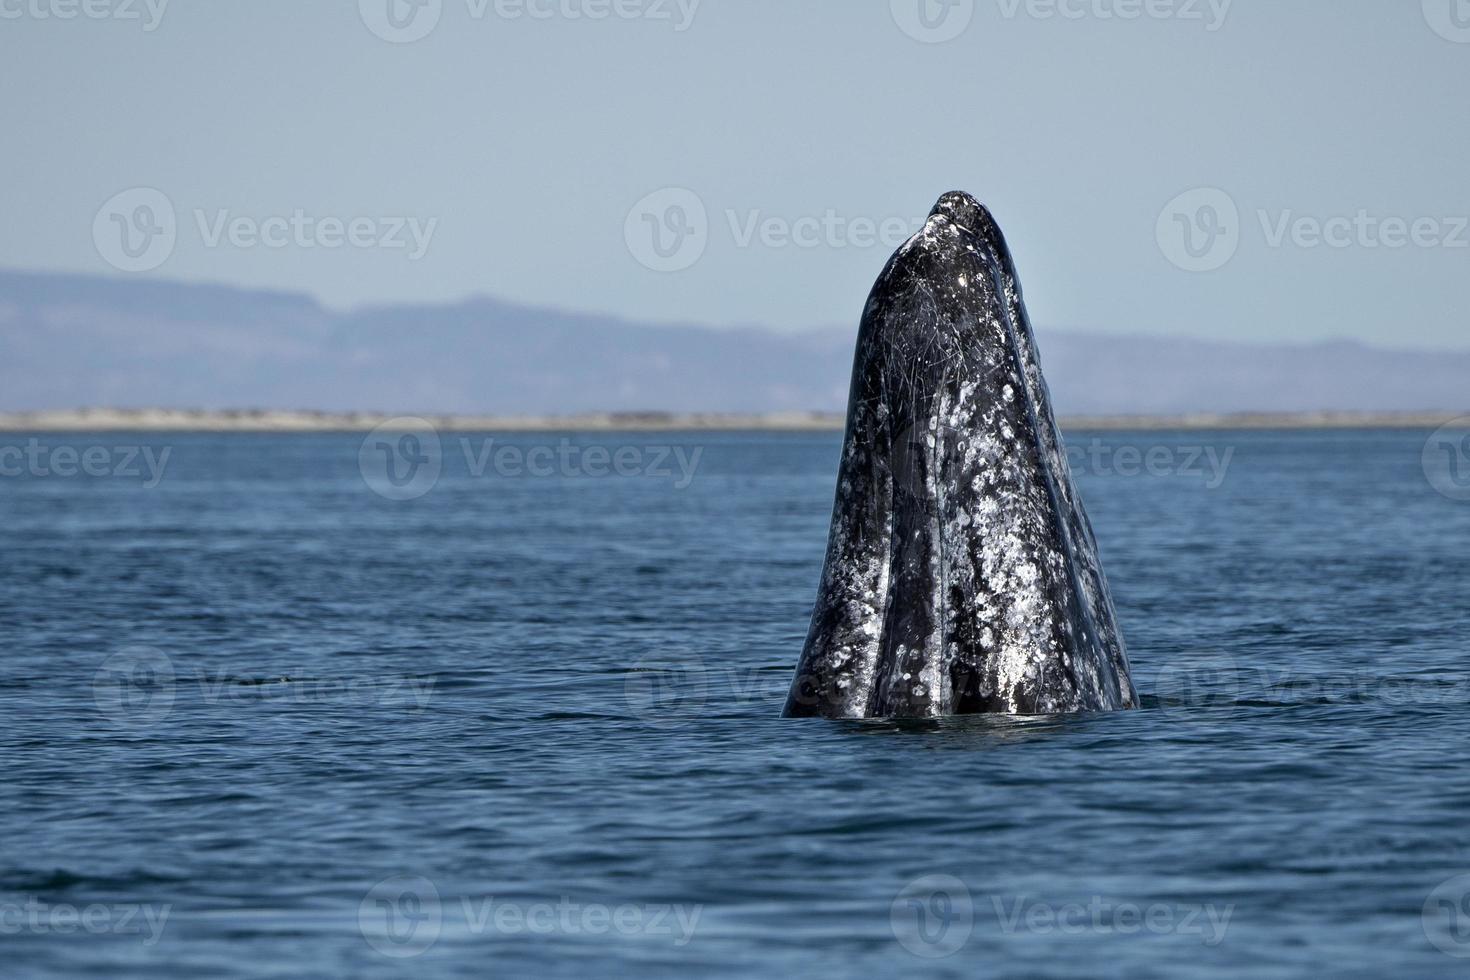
(962, 575)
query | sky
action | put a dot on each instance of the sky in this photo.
(1255, 170)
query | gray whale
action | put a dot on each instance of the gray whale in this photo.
(962, 575)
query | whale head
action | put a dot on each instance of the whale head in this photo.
(962, 574)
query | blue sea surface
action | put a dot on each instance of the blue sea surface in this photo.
(314, 705)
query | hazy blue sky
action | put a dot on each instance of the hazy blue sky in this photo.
(519, 146)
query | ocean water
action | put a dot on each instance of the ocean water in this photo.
(262, 719)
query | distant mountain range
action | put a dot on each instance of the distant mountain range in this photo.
(71, 341)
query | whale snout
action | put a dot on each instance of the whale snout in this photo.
(963, 210)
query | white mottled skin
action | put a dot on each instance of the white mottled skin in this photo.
(1086, 563)
(961, 573)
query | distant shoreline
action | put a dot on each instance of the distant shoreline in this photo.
(247, 421)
